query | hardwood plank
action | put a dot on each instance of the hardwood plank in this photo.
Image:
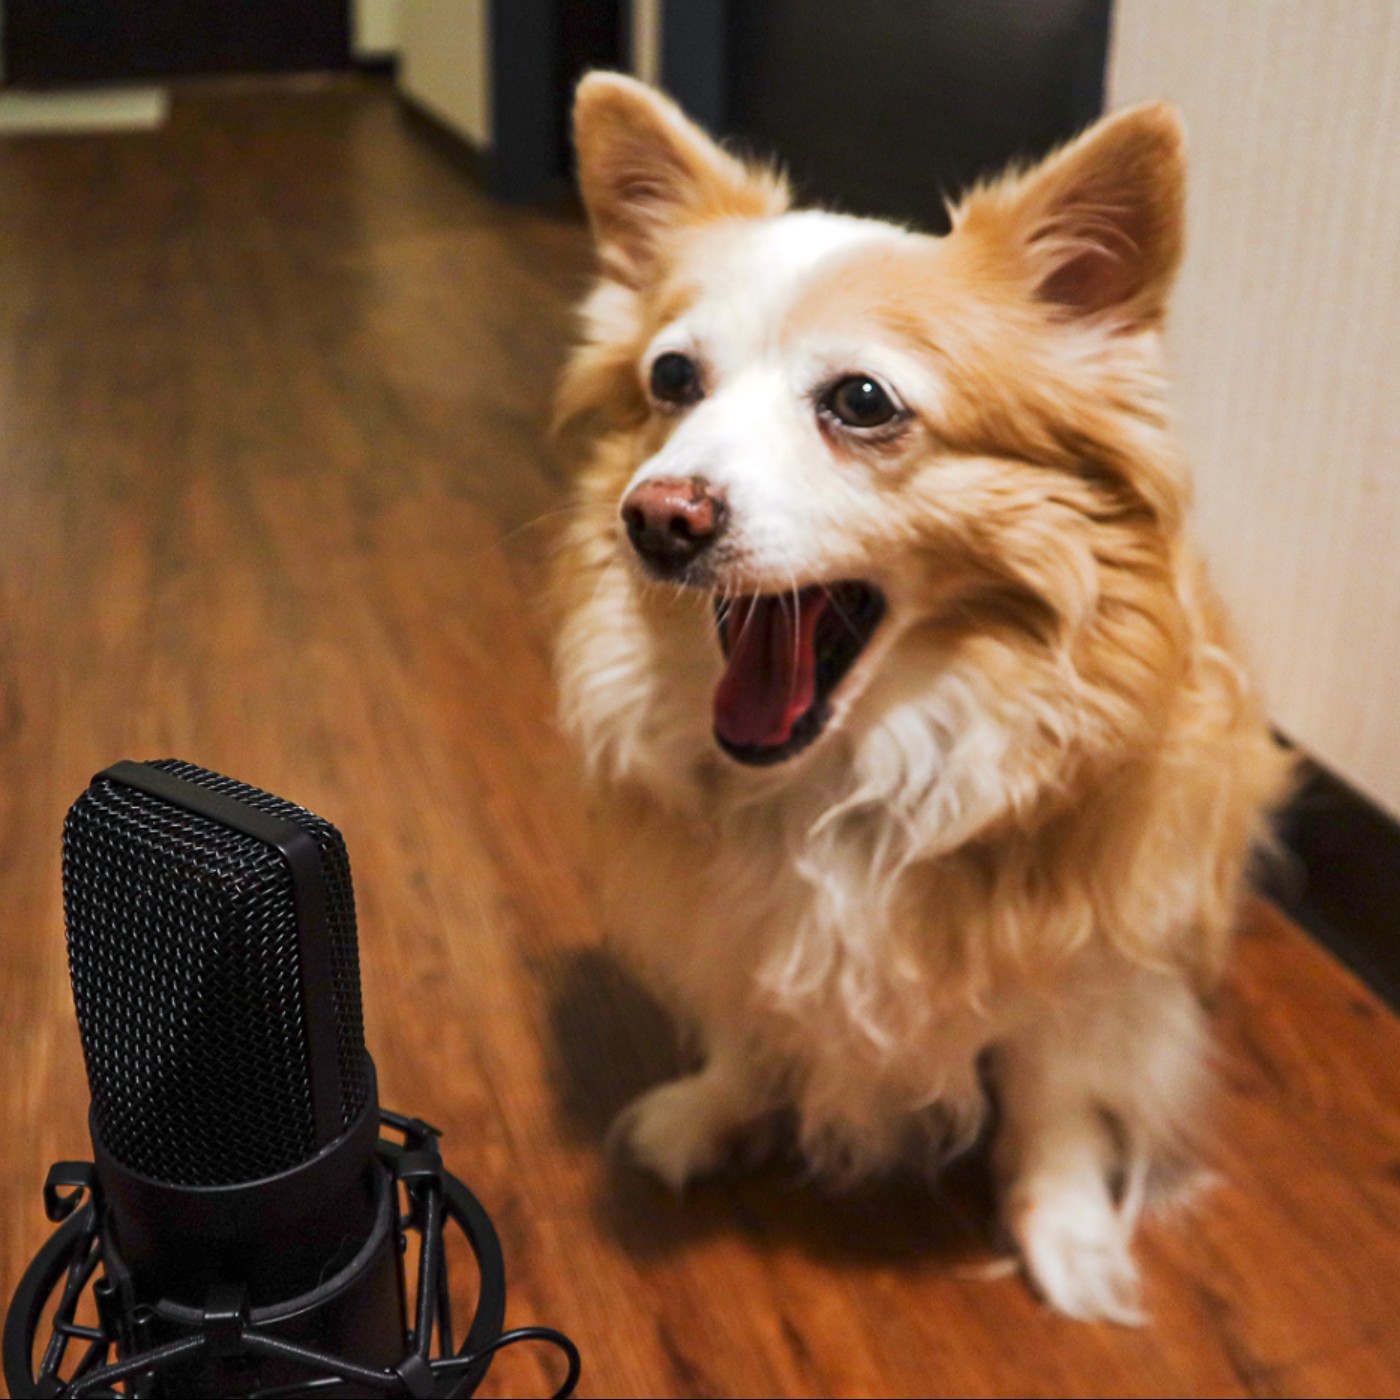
(275, 496)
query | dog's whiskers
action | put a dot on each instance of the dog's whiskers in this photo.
(744, 626)
(796, 638)
(574, 508)
(841, 613)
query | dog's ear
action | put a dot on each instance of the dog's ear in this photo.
(645, 170)
(1097, 227)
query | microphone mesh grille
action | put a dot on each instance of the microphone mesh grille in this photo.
(184, 953)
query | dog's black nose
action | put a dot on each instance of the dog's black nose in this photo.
(671, 522)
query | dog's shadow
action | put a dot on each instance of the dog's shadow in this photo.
(612, 1041)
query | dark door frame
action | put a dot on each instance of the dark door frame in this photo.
(525, 61)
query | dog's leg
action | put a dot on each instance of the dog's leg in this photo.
(1088, 1099)
(684, 1128)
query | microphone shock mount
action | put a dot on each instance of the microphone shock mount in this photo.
(149, 1350)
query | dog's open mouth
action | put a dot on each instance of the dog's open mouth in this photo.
(785, 655)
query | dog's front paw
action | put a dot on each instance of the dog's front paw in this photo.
(1075, 1247)
(677, 1131)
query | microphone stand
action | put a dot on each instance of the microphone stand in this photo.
(120, 1350)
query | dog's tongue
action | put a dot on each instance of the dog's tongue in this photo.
(771, 677)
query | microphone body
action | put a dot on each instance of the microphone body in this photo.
(240, 1229)
(215, 968)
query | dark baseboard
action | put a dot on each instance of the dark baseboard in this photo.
(453, 147)
(1339, 875)
(483, 167)
(377, 65)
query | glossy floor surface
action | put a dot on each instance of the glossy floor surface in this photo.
(275, 497)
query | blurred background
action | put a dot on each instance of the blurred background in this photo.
(284, 289)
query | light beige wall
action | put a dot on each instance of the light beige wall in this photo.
(444, 63)
(1286, 342)
(444, 53)
(374, 27)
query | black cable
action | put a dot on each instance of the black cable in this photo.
(522, 1334)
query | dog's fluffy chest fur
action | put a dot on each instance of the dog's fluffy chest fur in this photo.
(846, 996)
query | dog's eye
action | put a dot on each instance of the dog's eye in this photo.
(859, 402)
(675, 379)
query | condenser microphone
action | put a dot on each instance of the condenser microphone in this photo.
(242, 1227)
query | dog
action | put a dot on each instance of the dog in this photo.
(925, 766)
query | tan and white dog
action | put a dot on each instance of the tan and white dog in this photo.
(926, 767)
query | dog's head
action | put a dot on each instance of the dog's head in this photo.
(872, 451)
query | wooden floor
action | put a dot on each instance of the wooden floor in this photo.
(274, 497)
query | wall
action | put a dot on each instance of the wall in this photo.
(1286, 342)
(444, 63)
(374, 28)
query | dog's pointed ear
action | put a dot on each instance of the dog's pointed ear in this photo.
(1097, 227)
(646, 170)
